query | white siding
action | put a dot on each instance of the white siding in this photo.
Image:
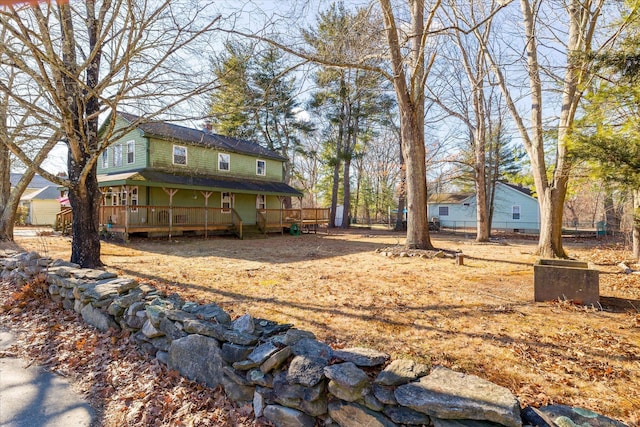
(463, 214)
(43, 212)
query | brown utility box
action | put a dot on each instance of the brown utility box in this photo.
(555, 279)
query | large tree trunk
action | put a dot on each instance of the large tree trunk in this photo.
(417, 221)
(411, 105)
(82, 120)
(482, 230)
(402, 192)
(85, 201)
(6, 230)
(636, 225)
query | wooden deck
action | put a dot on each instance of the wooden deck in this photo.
(172, 220)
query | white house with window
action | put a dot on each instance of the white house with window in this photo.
(513, 210)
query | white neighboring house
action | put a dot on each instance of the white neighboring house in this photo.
(42, 206)
(40, 199)
(513, 210)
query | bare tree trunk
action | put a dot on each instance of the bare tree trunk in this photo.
(10, 205)
(6, 230)
(336, 180)
(347, 192)
(83, 109)
(85, 201)
(482, 231)
(411, 105)
(636, 225)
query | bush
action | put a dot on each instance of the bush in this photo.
(21, 215)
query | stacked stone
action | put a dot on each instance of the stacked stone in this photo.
(22, 267)
(288, 376)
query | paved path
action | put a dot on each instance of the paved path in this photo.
(32, 397)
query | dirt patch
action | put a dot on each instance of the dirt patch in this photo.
(478, 317)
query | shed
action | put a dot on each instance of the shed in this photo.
(42, 205)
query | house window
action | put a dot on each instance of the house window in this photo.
(117, 155)
(443, 210)
(515, 212)
(227, 202)
(115, 196)
(224, 162)
(179, 155)
(133, 198)
(261, 202)
(131, 148)
(105, 159)
(261, 167)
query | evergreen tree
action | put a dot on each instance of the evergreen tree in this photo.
(349, 100)
(231, 105)
(256, 100)
(610, 131)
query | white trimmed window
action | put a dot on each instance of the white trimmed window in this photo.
(224, 162)
(114, 193)
(131, 150)
(227, 202)
(117, 155)
(443, 210)
(105, 159)
(133, 198)
(261, 167)
(261, 202)
(179, 155)
(515, 212)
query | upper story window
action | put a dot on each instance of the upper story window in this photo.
(515, 212)
(224, 162)
(117, 155)
(105, 159)
(131, 149)
(179, 155)
(443, 210)
(261, 167)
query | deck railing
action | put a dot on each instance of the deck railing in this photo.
(315, 214)
(63, 220)
(139, 218)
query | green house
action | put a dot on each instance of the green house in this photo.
(162, 178)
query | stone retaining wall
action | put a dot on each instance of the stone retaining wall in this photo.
(288, 376)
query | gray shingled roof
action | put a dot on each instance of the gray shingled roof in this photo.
(151, 176)
(36, 182)
(46, 193)
(448, 198)
(202, 137)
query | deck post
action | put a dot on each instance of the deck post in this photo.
(170, 192)
(206, 195)
(126, 214)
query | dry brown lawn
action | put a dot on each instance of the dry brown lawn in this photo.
(478, 318)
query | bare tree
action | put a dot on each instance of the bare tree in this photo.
(575, 22)
(467, 95)
(19, 127)
(90, 59)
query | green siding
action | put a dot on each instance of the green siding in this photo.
(200, 160)
(203, 160)
(140, 154)
(245, 205)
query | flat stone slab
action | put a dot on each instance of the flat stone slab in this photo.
(448, 394)
(401, 371)
(362, 356)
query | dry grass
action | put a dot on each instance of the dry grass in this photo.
(478, 318)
